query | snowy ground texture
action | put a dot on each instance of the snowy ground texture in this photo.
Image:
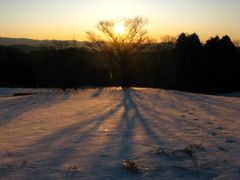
(114, 133)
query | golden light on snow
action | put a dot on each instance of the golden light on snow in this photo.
(118, 123)
(119, 28)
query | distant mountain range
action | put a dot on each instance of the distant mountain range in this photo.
(27, 45)
(5, 41)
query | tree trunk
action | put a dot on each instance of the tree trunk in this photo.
(125, 75)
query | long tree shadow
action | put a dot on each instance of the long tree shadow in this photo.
(126, 126)
(117, 125)
(134, 122)
(61, 146)
(89, 137)
(11, 108)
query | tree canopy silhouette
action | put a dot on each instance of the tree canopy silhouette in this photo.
(188, 55)
(221, 66)
(120, 47)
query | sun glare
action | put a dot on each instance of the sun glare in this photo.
(119, 28)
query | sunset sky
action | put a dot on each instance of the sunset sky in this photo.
(64, 19)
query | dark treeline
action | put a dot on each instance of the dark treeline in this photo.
(185, 64)
(192, 66)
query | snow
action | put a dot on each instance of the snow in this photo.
(96, 133)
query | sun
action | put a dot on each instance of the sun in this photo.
(119, 28)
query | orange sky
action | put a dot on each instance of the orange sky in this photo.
(64, 19)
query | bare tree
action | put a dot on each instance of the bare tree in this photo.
(236, 42)
(161, 60)
(120, 46)
(55, 45)
(166, 43)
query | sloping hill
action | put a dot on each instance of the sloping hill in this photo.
(19, 41)
(25, 48)
(114, 133)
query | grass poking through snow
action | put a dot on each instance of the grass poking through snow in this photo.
(190, 149)
(73, 169)
(131, 166)
(159, 150)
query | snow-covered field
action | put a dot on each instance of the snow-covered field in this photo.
(114, 133)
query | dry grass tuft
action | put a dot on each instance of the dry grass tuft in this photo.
(190, 149)
(130, 165)
(180, 167)
(159, 150)
(73, 168)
